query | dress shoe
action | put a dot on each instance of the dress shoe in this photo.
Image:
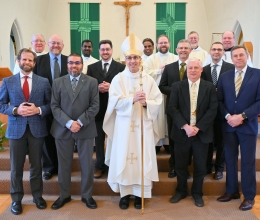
(138, 202)
(40, 203)
(227, 197)
(177, 197)
(124, 202)
(60, 202)
(47, 175)
(246, 205)
(188, 176)
(172, 174)
(167, 149)
(217, 175)
(157, 149)
(198, 201)
(16, 208)
(98, 174)
(75, 150)
(90, 203)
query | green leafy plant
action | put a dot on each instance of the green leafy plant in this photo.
(2, 136)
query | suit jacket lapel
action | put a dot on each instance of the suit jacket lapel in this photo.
(18, 82)
(201, 93)
(47, 64)
(81, 82)
(247, 76)
(100, 68)
(68, 87)
(208, 72)
(111, 68)
(35, 86)
(185, 91)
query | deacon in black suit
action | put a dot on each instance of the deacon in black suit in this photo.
(211, 73)
(104, 71)
(47, 67)
(172, 73)
(193, 107)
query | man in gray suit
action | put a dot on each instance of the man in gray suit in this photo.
(25, 98)
(74, 105)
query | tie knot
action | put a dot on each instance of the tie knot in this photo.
(105, 64)
(56, 58)
(193, 85)
(25, 77)
(183, 64)
(74, 80)
(215, 66)
(240, 72)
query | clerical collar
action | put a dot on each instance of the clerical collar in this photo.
(197, 49)
(229, 49)
(85, 58)
(38, 54)
(164, 54)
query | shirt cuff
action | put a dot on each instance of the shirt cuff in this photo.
(81, 125)
(69, 123)
(40, 110)
(227, 116)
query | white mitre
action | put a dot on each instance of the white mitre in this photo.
(132, 45)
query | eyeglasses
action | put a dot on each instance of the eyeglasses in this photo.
(105, 49)
(57, 43)
(38, 41)
(129, 58)
(183, 48)
(217, 49)
(161, 43)
(76, 63)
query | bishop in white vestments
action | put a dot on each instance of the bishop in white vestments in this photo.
(122, 124)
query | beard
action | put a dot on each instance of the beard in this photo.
(74, 74)
(26, 68)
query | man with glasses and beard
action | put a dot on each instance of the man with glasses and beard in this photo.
(74, 105)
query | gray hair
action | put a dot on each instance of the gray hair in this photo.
(184, 41)
(194, 59)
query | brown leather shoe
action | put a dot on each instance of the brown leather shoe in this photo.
(246, 205)
(227, 197)
(98, 174)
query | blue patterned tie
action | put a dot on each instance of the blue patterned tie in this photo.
(214, 75)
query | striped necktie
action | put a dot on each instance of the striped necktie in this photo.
(182, 70)
(74, 85)
(238, 82)
(56, 68)
(214, 75)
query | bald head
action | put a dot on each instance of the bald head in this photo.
(55, 44)
(228, 39)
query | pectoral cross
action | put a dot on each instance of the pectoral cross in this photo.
(133, 126)
(133, 91)
(131, 158)
(127, 4)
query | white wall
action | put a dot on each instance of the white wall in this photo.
(49, 17)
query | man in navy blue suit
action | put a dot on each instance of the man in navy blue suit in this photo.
(239, 104)
(25, 98)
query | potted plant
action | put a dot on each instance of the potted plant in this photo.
(2, 136)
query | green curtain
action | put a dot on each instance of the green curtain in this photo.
(171, 21)
(84, 24)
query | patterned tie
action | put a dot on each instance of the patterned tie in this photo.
(26, 88)
(56, 68)
(105, 68)
(74, 85)
(238, 82)
(182, 70)
(214, 75)
(193, 103)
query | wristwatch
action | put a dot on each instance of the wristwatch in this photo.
(244, 115)
(15, 111)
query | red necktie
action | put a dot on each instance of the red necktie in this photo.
(26, 88)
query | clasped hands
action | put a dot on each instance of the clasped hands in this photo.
(27, 109)
(190, 130)
(140, 97)
(103, 87)
(235, 120)
(75, 126)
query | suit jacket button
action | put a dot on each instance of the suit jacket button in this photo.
(235, 101)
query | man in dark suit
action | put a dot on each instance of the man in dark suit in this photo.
(25, 98)
(51, 66)
(74, 104)
(239, 105)
(193, 107)
(211, 73)
(104, 71)
(172, 73)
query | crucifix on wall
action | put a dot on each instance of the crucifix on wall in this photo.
(127, 4)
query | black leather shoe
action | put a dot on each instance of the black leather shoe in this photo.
(246, 205)
(138, 202)
(47, 175)
(60, 202)
(157, 149)
(177, 197)
(198, 201)
(124, 202)
(40, 203)
(172, 174)
(167, 149)
(90, 203)
(217, 175)
(16, 208)
(227, 197)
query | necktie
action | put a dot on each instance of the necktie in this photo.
(74, 85)
(214, 75)
(105, 68)
(182, 70)
(193, 103)
(26, 88)
(238, 82)
(56, 68)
